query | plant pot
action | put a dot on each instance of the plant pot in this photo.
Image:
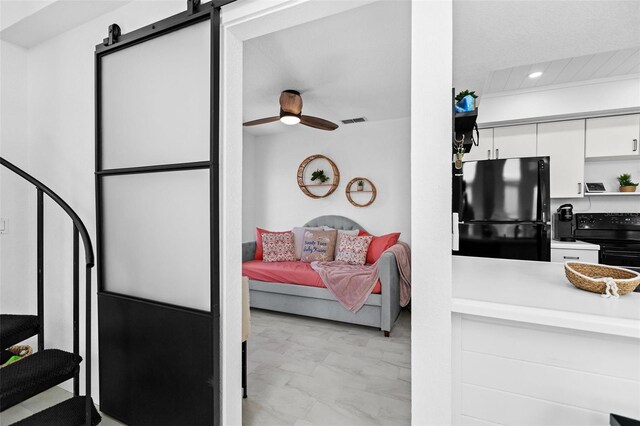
(360, 188)
(628, 188)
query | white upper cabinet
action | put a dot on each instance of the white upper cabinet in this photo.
(613, 136)
(484, 150)
(514, 141)
(563, 142)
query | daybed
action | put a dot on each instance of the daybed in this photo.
(380, 310)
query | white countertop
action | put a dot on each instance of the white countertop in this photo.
(573, 245)
(538, 292)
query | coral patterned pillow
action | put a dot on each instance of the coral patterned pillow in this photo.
(342, 233)
(278, 247)
(259, 232)
(353, 250)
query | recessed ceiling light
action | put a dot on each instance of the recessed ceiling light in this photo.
(535, 74)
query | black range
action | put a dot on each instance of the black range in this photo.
(618, 235)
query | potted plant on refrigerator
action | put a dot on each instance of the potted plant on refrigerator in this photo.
(625, 183)
(466, 101)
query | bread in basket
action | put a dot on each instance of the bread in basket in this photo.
(591, 277)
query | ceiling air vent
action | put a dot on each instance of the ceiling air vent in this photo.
(354, 120)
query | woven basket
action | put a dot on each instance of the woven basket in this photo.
(589, 276)
(20, 350)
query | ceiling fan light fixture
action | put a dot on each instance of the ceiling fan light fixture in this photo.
(289, 119)
(291, 114)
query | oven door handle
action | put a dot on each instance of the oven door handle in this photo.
(619, 254)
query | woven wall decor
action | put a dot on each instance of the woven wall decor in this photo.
(367, 188)
(324, 163)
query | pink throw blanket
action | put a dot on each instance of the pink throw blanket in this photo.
(402, 251)
(352, 284)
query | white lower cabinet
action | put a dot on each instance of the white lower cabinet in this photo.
(569, 255)
(563, 143)
(516, 373)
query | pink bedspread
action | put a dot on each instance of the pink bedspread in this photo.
(287, 273)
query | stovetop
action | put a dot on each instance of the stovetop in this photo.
(608, 221)
(618, 228)
(618, 235)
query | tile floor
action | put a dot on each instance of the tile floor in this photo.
(41, 401)
(305, 371)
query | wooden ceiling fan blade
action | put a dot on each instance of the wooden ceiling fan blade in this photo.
(317, 123)
(262, 121)
(291, 102)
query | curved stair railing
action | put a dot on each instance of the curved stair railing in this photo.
(82, 408)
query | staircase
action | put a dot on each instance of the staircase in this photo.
(47, 368)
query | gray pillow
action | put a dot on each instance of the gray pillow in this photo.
(353, 233)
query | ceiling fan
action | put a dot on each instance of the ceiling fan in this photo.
(291, 113)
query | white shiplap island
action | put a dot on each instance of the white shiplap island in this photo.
(531, 349)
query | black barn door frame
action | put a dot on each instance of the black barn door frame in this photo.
(112, 306)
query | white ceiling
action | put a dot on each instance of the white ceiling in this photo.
(494, 35)
(349, 65)
(54, 18)
(615, 63)
(358, 63)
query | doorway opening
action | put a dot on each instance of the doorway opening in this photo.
(351, 64)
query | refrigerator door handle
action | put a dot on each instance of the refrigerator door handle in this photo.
(542, 193)
(455, 232)
(544, 243)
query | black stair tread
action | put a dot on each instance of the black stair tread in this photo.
(34, 374)
(68, 413)
(16, 328)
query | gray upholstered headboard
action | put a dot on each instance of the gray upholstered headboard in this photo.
(335, 222)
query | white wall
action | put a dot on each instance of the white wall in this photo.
(61, 149)
(431, 82)
(379, 151)
(17, 197)
(248, 187)
(577, 98)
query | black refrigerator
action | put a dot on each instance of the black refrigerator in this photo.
(501, 209)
